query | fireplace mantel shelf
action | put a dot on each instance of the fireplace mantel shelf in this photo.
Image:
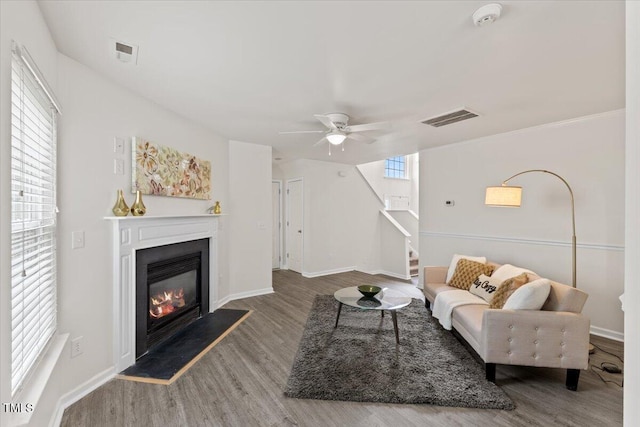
(137, 218)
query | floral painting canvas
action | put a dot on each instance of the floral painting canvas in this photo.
(164, 171)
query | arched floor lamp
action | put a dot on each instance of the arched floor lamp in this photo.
(511, 196)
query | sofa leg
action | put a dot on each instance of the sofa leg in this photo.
(490, 370)
(572, 379)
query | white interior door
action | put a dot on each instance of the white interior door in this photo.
(277, 221)
(294, 225)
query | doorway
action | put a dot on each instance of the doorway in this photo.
(294, 228)
(276, 206)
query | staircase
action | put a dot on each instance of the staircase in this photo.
(413, 263)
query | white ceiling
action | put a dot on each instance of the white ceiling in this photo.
(250, 69)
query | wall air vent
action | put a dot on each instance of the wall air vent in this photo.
(124, 52)
(450, 118)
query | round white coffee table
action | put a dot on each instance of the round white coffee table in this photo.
(386, 299)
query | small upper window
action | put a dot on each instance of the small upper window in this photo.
(395, 167)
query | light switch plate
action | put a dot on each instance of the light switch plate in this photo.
(118, 166)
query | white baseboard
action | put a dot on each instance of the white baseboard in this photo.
(78, 393)
(607, 333)
(241, 295)
(388, 273)
(309, 275)
(101, 378)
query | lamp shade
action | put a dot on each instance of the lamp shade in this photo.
(504, 196)
(336, 138)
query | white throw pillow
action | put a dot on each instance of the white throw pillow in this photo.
(530, 296)
(454, 263)
(485, 287)
(507, 271)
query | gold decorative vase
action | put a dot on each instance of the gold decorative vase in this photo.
(120, 208)
(217, 210)
(138, 208)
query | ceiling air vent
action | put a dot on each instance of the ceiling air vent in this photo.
(450, 118)
(124, 52)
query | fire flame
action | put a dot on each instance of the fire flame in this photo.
(166, 302)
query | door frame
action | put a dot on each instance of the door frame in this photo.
(280, 227)
(288, 208)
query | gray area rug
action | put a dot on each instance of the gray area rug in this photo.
(360, 361)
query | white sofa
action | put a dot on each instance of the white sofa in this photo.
(556, 336)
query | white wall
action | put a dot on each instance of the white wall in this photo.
(632, 230)
(250, 221)
(414, 173)
(23, 22)
(411, 224)
(95, 111)
(373, 172)
(394, 262)
(341, 217)
(589, 153)
(276, 172)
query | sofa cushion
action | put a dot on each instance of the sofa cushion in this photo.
(466, 272)
(467, 320)
(454, 263)
(485, 287)
(506, 289)
(530, 296)
(433, 289)
(507, 271)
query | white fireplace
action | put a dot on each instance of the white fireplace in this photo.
(130, 234)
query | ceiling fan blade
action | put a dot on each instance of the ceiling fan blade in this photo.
(320, 142)
(301, 131)
(360, 138)
(369, 126)
(325, 121)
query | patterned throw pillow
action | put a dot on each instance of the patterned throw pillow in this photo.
(506, 289)
(454, 263)
(466, 272)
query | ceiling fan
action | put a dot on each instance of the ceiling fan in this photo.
(339, 129)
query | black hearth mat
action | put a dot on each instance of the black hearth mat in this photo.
(167, 361)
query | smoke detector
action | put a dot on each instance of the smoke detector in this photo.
(487, 14)
(123, 52)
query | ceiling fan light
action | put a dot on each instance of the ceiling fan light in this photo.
(336, 138)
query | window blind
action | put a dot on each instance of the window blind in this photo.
(33, 219)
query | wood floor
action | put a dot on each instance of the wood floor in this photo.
(241, 380)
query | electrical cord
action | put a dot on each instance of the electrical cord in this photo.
(595, 369)
(608, 367)
(608, 352)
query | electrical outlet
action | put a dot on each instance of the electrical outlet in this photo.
(449, 203)
(76, 347)
(118, 166)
